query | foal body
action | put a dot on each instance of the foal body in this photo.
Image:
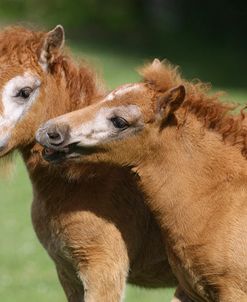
(76, 213)
(188, 156)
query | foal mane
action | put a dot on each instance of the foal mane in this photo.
(20, 45)
(82, 81)
(208, 108)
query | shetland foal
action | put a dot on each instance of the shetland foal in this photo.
(190, 155)
(92, 221)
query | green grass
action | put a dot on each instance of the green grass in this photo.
(26, 272)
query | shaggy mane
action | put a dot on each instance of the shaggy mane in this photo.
(215, 114)
(82, 81)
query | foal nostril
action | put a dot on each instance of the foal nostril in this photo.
(56, 135)
(55, 138)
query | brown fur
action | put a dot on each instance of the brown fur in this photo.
(214, 114)
(193, 168)
(92, 219)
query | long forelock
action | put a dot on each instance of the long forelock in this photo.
(20, 44)
(162, 76)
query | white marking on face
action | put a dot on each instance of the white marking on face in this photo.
(13, 106)
(125, 89)
(101, 129)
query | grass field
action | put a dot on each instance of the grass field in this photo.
(26, 272)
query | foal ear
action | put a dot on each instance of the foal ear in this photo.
(53, 43)
(171, 101)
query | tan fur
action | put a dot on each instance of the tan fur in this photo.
(192, 164)
(92, 219)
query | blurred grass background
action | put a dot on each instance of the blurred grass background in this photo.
(208, 40)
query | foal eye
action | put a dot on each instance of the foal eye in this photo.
(24, 93)
(119, 122)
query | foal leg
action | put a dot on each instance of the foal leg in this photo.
(73, 289)
(102, 261)
(102, 278)
(105, 282)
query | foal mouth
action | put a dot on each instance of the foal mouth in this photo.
(59, 154)
(71, 151)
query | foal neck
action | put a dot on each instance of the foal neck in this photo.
(190, 162)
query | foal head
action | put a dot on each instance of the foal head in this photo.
(27, 61)
(123, 125)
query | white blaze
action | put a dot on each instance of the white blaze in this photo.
(13, 107)
(125, 89)
(101, 129)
